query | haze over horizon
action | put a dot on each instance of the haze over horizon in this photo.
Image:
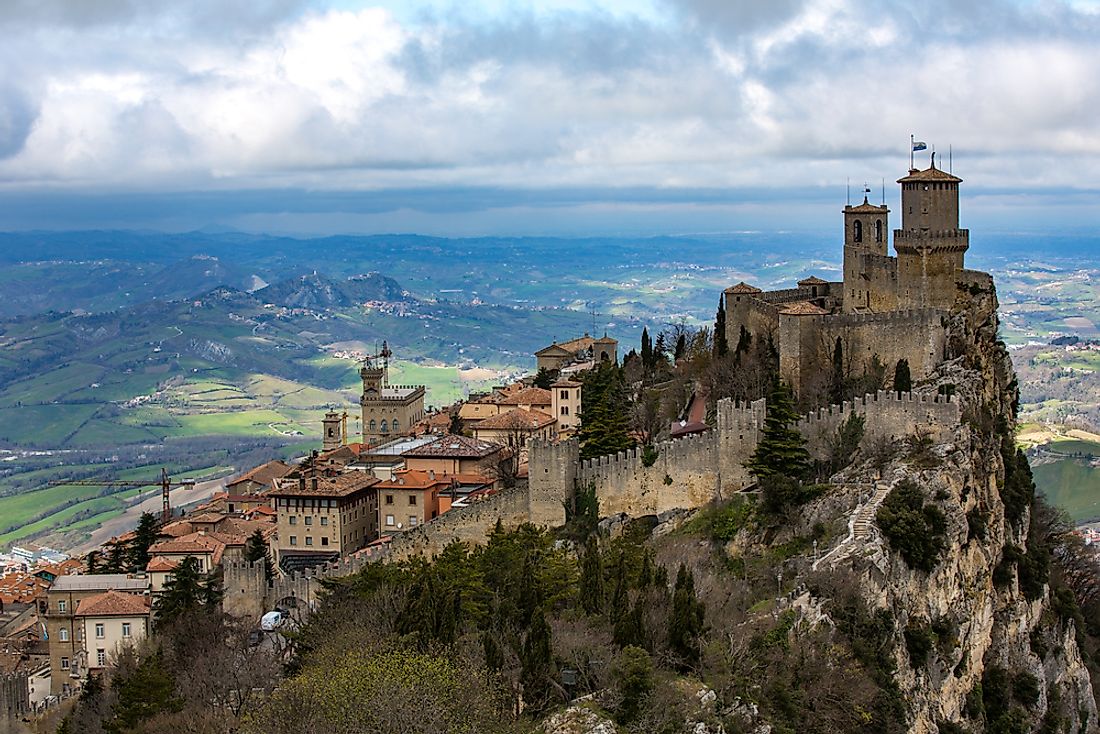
(565, 117)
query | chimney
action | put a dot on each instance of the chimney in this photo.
(431, 474)
(314, 484)
(302, 482)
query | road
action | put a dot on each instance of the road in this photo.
(150, 503)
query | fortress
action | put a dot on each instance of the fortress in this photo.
(886, 308)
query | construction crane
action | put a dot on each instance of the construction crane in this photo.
(166, 484)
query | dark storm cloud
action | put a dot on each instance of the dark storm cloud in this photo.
(17, 115)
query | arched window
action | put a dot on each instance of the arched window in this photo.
(857, 235)
(878, 230)
(385, 426)
(373, 425)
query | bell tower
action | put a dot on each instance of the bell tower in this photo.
(866, 242)
(332, 438)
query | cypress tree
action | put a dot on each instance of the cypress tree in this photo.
(530, 593)
(605, 424)
(592, 587)
(145, 534)
(681, 347)
(619, 599)
(836, 383)
(721, 346)
(781, 450)
(116, 557)
(744, 342)
(903, 380)
(685, 622)
(536, 665)
(647, 350)
(645, 573)
(91, 561)
(255, 549)
(630, 627)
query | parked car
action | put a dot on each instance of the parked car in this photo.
(272, 621)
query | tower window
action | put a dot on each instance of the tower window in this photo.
(857, 235)
(878, 230)
(373, 425)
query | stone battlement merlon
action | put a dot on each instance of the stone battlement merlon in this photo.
(923, 234)
(893, 318)
(786, 295)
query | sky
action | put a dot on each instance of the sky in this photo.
(565, 117)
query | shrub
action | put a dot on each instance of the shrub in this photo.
(1025, 689)
(919, 641)
(1018, 489)
(728, 520)
(913, 528)
(634, 680)
(649, 455)
(976, 524)
(780, 494)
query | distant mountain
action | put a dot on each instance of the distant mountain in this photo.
(318, 292)
(193, 276)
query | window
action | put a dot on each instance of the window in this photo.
(309, 540)
(101, 657)
(389, 499)
(324, 520)
(324, 540)
(412, 521)
(372, 425)
(389, 520)
(99, 631)
(125, 629)
(294, 540)
(565, 410)
(62, 606)
(385, 426)
(878, 230)
(64, 663)
(293, 519)
(412, 499)
(857, 235)
(63, 634)
(309, 519)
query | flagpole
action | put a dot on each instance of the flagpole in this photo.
(912, 138)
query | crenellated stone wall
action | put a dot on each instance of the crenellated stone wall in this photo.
(15, 702)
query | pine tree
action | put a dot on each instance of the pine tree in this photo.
(530, 592)
(781, 450)
(142, 694)
(660, 349)
(645, 574)
(620, 601)
(544, 378)
(630, 627)
(836, 382)
(903, 380)
(255, 549)
(116, 557)
(91, 562)
(647, 350)
(188, 590)
(721, 346)
(685, 623)
(536, 665)
(592, 586)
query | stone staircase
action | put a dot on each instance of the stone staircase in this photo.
(860, 528)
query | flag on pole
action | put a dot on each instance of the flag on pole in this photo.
(919, 145)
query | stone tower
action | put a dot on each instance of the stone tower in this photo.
(930, 245)
(868, 272)
(332, 438)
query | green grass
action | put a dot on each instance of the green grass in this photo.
(242, 423)
(1072, 486)
(43, 425)
(1074, 446)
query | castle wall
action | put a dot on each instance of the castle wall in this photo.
(15, 702)
(759, 317)
(871, 281)
(887, 416)
(739, 429)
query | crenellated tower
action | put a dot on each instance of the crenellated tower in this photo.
(930, 245)
(869, 276)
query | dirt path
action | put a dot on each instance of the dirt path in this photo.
(150, 502)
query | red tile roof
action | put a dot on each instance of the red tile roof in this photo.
(803, 308)
(263, 474)
(113, 604)
(161, 563)
(341, 485)
(529, 396)
(930, 174)
(517, 419)
(455, 447)
(743, 287)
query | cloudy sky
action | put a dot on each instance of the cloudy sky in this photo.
(558, 116)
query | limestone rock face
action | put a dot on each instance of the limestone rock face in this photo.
(577, 720)
(979, 624)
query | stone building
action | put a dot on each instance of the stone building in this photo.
(321, 518)
(566, 406)
(585, 350)
(110, 622)
(886, 307)
(388, 410)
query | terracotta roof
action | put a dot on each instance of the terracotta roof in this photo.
(113, 604)
(529, 396)
(195, 544)
(743, 287)
(263, 474)
(803, 308)
(341, 485)
(867, 208)
(567, 383)
(455, 447)
(929, 174)
(570, 347)
(206, 517)
(517, 418)
(813, 280)
(417, 479)
(161, 563)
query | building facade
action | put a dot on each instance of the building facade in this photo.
(110, 622)
(388, 410)
(321, 518)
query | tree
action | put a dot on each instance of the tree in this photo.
(544, 378)
(634, 680)
(188, 590)
(903, 381)
(645, 416)
(781, 449)
(537, 665)
(91, 561)
(604, 413)
(456, 426)
(647, 350)
(142, 694)
(145, 535)
(681, 347)
(255, 549)
(915, 529)
(592, 584)
(116, 557)
(685, 623)
(721, 346)
(838, 381)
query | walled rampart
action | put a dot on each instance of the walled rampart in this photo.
(886, 416)
(15, 702)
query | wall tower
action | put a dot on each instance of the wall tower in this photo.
(930, 244)
(866, 263)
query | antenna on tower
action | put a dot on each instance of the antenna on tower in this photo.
(950, 160)
(848, 185)
(884, 192)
